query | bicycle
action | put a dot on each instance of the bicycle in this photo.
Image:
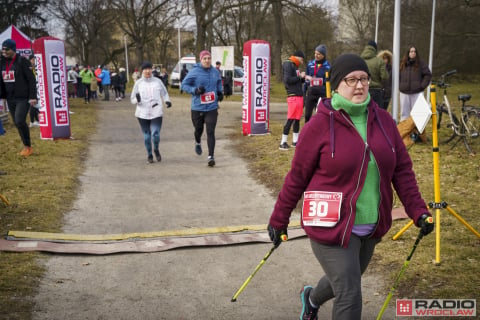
(466, 128)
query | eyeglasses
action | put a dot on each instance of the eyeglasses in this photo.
(352, 82)
(6, 49)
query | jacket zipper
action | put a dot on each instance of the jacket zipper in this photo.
(358, 179)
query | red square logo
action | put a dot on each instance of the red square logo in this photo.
(404, 307)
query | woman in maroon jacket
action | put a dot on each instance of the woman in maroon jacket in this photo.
(347, 158)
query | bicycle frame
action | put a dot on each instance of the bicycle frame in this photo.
(453, 123)
(465, 127)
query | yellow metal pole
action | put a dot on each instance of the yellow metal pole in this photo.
(465, 223)
(438, 204)
(4, 200)
(327, 85)
(399, 233)
(436, 171)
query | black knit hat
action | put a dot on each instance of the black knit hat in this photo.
(299, 53)
(372, 43)
(147, 65)
(345, 64)
(10, 44)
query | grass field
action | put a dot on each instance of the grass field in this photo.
(42, 188)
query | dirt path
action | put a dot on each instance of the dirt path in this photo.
(121, 193)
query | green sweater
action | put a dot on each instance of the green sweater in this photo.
(367, 203)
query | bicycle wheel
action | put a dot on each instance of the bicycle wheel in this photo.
(472, 126)
(446, 130)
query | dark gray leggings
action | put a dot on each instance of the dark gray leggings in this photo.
(19, 111)
(343, 269)
(288, 124)
(209, 119)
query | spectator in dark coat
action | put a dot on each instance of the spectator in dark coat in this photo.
(293, 80)
(387, 57)
(116, 85)
(183, 74)
(123, 81)
(378, 72)
(415, 76)
(228, 83)
(164, 77)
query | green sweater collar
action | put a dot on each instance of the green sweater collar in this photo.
(353, 109)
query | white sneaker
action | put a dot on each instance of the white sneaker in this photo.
(34, 124)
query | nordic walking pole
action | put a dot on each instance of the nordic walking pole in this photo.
(244, 285)
(397, 280)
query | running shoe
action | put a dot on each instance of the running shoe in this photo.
(308, 312)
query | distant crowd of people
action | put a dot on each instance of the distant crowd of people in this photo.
(305, 89)
(90, 84)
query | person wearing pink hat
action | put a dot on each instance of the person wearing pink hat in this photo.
(204, 83)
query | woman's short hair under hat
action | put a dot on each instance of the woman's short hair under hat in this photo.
(345, 64)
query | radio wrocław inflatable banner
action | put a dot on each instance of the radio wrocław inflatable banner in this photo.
(52, 88)
(256, 88)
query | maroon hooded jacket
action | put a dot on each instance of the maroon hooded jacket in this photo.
(332, 156)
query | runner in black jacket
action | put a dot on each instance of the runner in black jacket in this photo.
(293, 80)
(18, 87)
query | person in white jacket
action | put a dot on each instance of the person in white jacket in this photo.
(149, 94)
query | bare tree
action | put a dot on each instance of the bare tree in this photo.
(240, 24)
(87, 27)
(457, 37)
(25, 15)
(95, 29)
(208, 12)
(143, 21)
(292, 24)
(356, 22)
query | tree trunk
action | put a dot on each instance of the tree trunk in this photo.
(277, 40)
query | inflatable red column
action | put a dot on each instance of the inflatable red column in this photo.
(256, 87)
(52, 88)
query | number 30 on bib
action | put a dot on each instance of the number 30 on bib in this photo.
(321, 208)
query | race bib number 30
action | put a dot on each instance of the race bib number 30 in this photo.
(321, 208)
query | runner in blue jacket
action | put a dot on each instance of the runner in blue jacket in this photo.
(316, 80)
(204, 83)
